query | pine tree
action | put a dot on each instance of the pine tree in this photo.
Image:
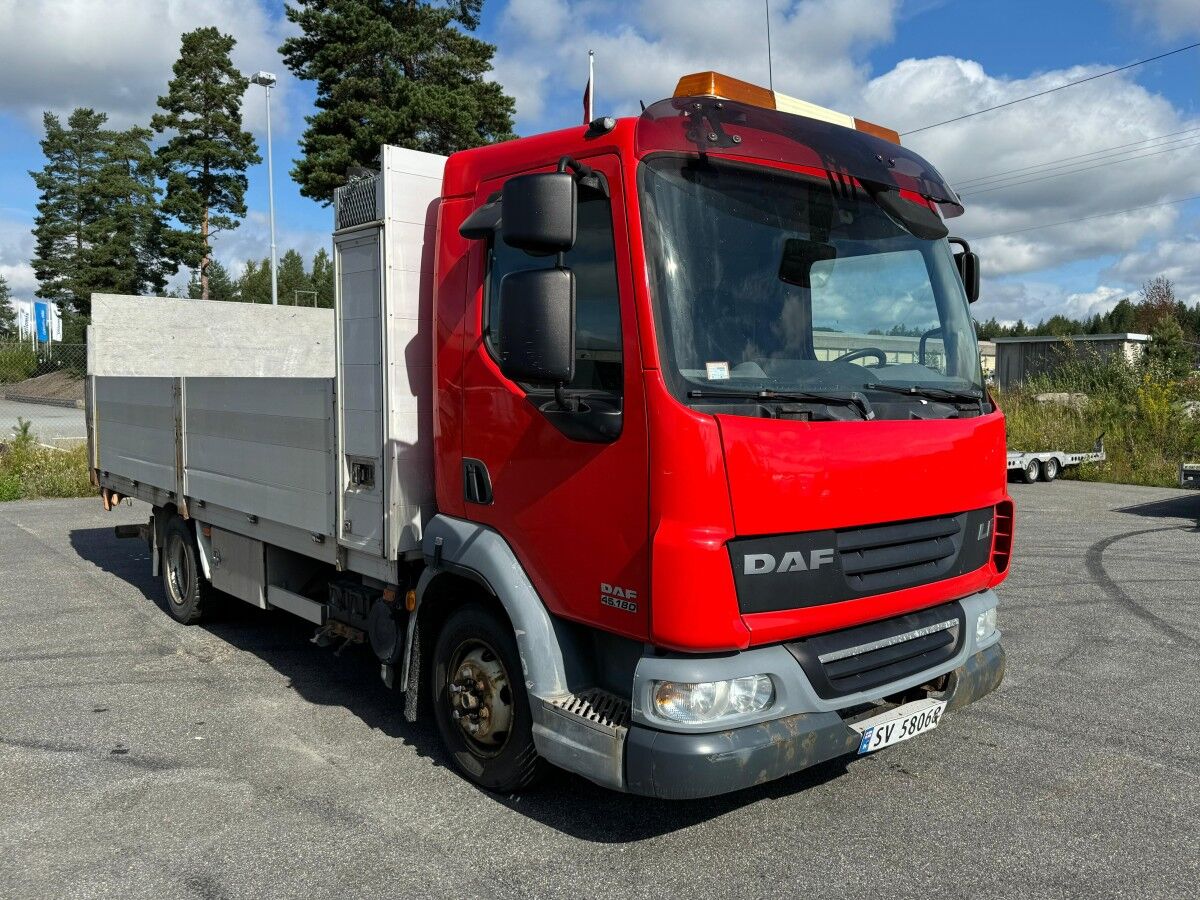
(206, 158)
(220, 286)
(322, 278)
(8, 313)
(254, 285)
(293, 278)
(127, 255)
(69, 207)
(400, 72)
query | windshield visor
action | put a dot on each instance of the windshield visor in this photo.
(765, 279)
(708, 125)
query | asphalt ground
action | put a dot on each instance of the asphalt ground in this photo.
(50, 424)
(140, 758)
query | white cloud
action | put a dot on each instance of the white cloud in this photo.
(16, 249)
(1171, 18)
(1034, 301)
(643, 47)
(1178, 260)
(116, 55)
(1108, 112)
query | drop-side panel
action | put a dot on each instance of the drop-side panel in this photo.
(133, 429)
(360, 466)
(264, 446)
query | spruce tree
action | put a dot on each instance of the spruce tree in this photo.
(322, 278)
(254, 285)
(293, 278)
(127, 255)
(69, 207)
(220, 285)
(206, 157)
(400, 72)
(8, 313)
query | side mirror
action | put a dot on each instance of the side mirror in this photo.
(537, 326)
(538, 212)
(967, 264)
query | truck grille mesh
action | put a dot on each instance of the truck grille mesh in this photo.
(598, 707)
(868, 656)
(356, 203)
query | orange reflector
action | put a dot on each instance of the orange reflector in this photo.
(714, 84)
(410, 600)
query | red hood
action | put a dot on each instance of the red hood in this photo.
(807, 476)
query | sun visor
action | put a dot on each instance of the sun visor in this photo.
(715, 125)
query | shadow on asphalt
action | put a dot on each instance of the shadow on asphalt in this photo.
(563, 801)
(1184, 507)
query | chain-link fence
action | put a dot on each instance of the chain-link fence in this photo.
(43, 386)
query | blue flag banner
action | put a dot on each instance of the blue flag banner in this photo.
(42, 316)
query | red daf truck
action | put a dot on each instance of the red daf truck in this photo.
(656, 449)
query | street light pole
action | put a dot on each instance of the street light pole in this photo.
(267, 80)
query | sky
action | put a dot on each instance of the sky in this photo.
(902, 63)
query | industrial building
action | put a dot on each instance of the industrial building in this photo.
(1018, 358)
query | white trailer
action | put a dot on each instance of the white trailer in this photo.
(1046, 465)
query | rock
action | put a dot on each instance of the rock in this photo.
(1072, 400)
(1189, 408)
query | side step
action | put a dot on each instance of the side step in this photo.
(297, 605)
(584, 732)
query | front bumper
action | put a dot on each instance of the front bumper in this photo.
(679, 766)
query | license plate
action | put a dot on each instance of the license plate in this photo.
(898, 724)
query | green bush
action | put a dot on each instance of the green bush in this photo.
(17, 362)
(29, 470)
(1137, 406)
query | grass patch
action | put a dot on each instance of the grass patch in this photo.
(1139, 407)
(30, 471)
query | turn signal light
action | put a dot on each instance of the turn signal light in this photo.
(714, 84)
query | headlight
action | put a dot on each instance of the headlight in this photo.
(985, 624)
(708, 701)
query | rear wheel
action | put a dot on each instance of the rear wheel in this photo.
(1031, 472)
(183, 581)
(479, 700)
(1050, 469)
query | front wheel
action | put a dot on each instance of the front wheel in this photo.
(1031, 472)
(1050, 469)
(480, 703)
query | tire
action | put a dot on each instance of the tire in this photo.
(188, 594)
(1031, 472)
(475, 646)
(1050, 469)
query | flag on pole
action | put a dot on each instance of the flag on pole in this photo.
(587, 92)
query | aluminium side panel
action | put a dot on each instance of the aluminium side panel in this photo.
(412, 192)
(134, 428)
(264, 446)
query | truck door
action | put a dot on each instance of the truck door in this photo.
(571, 503)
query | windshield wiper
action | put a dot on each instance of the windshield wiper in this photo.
(929, 393)
(850, 398)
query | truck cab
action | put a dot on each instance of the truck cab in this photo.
(710, 376)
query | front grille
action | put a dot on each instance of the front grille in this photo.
(811, 568)
(887, 557)
(869, 656)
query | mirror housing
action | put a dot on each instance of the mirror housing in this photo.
(537, 326)
(799, 256)
(967, 264)
(538, 212)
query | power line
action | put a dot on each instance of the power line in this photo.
(1115, 212)
(1099, 165)
(1050, 164)
(979, 112)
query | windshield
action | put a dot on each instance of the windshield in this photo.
(768, 280)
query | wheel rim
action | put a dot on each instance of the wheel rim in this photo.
(1032, 469)
(179, 575)
(1051, 468)
(480, 696)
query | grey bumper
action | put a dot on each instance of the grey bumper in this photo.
(685, 766)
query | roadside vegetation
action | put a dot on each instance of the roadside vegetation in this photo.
(30, 471)
(1148, 411)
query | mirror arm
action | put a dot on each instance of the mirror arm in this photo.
(580, 170)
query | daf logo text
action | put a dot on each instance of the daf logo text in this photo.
(792, 561)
